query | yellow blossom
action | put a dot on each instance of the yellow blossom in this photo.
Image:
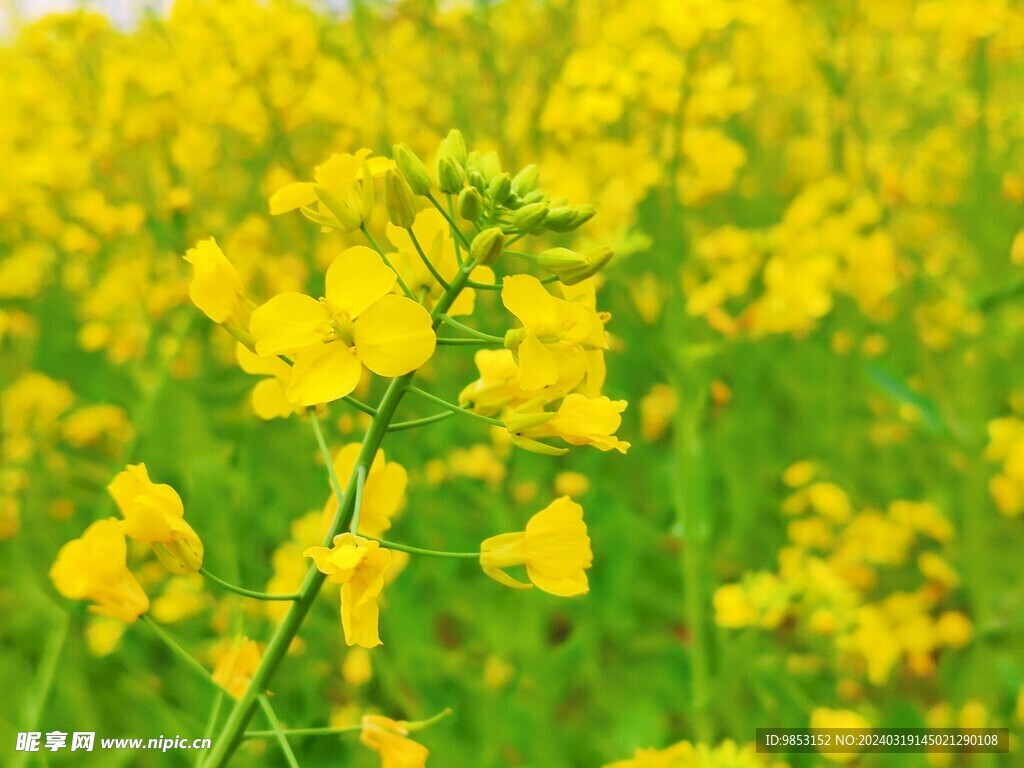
(383, 490)
(94, 567)
(153, 513)
(389, 738)
(555, 549)
(579, 420)
(236, 661)
(358, 565)
(342, 192)
(216, 287)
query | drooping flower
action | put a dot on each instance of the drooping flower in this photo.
(358, 565)
(389, 738)
(359, 322)
(579, 420)
(383, 490)
(94, 567)
(153, 513)
(555, 549)
(216, 287)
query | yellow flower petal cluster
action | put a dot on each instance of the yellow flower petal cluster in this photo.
(235, 661)
(359, 322)
(94, 567)
(555, 549)
(390, 739)
(358, 565)
(153, 513)
(383, 490)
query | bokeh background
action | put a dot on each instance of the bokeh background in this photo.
(816, 303)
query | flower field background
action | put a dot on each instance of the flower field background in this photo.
(810, 513)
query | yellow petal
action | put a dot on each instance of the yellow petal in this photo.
(323, 374)
(269, 401)
(356, 279)
(538, 366)
(287, 323)
(394, 336)
(526, 298)
(291, 197)
(215, 283)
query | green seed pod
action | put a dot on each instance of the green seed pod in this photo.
(398, 199)
(471, 204)
(413, 169)
(500, 188)
(526, 180)
(487, 246)
(530, 217)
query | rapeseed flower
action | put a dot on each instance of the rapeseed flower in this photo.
(389, 738)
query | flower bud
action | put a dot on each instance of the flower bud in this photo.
(513, 338)
(526, 180)
(476, 179)
(398, 199)
(536, 196)
(530, 217)
(470, 203)
(500, 188)
(454, 146)
(413, 169)
(572, 267)
(451, 176)
(487, 246)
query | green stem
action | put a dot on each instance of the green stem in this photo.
(244, 708)
(384, 257)
(451, 222)
(450, 342)
(484, 286)
(398, 426)
(360, 484)
(180, 652)
(521, 255)
(245, 592)
(420, 551)
(455, 408)
(44, 679)
(275, 725)
(218, 702)
(471, 331)
(359, 405)
(304, 732)
(426, 262)
(328, 462)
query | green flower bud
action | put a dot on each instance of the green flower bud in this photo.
(530, 217)
(536, 196)
(471, 204)
(513, 338)
(489, 164)
(454, 146)
(398, 199)
(487, 246)
(451, 177)
(526, 180)
(476, 179)
(566, 218)
(413, 169)
(500, 188)
(571, 267)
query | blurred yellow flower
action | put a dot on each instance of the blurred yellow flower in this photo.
(343, 191)
(358, 323)
(235, 662)
(153, 513)
(555, 549)
(358, 565)
(383, 491)
(389, 738)
(216, 287)
(94, 567)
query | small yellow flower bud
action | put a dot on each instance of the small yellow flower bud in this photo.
(413, 169)
(514, 337)
(487, 246)
(451, 176)
(454, 146)
(398, 199)
(572, 267)
(526, 180)
(566, 218)
(500, 188)
(470, 203)
(530, 217)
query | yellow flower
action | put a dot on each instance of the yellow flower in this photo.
(555, 549)
(383, 491)
(389, 738)
(579, 421)
(237, 660)
(94, 567)
(549, 346)
(343, 191)
(358, 323)
(154, 514)
(498, 385)
(358, 565)
(268, 396)
(216, 286)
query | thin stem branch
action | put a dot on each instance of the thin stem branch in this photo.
(360, 484)
(211, 722)
(420, 551)
(471, 331)
(451, 221)
(426, 261)
(398, 426)
(326, 731)
(245, 592)
(455, 408)
(359, 405)
(180, 652)
(453, 342)
(275, 725)
(329, 462)
(384, 257)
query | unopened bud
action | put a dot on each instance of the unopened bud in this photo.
(413, 169)
(530, 217)
(451, 176)
(487, 246)
(500, 188)
(566, 218)
(470, 203)
(398, 199)
(571, 267)
(526, 180)
(454, 146)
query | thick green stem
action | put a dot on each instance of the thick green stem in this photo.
(241, 713)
